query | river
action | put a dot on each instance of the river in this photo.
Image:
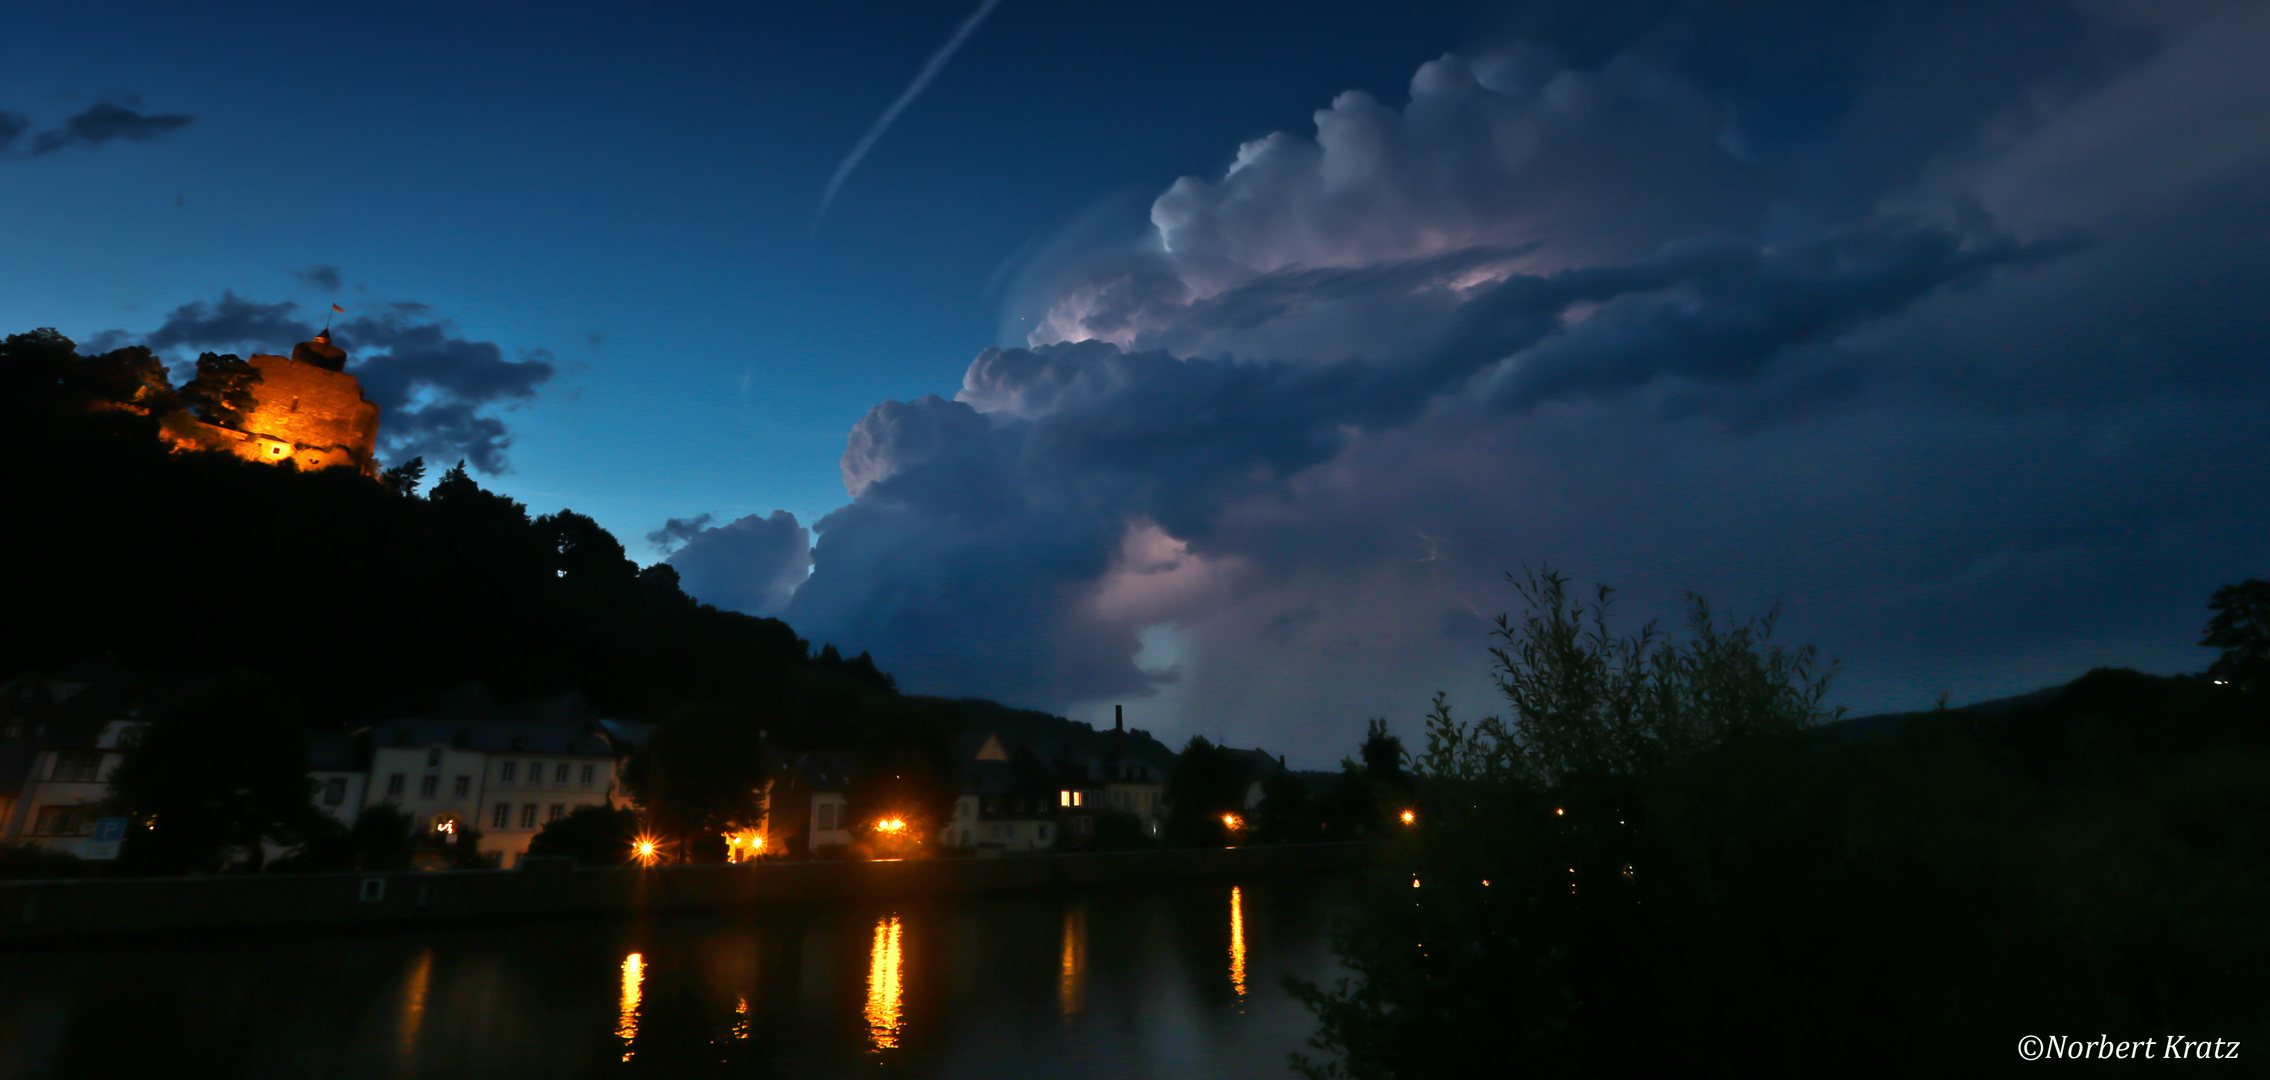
(1183, 981)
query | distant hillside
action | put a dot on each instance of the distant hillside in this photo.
(1042, 729)
(1881, 723)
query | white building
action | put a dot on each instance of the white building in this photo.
(504, 779)
(61, 739)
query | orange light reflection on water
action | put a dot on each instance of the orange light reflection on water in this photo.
(414, 990)
(885, 1008)
(626, 1026)
(1237, 941)
(1072, 974)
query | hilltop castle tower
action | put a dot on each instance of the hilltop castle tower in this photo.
(307, 409)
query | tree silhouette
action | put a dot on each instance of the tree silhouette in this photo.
(131, 376)
(404, 479)
(221, 394)
(591, 835)
(2241, 628)
(700, 777)
(1205, 786)
(225, 767)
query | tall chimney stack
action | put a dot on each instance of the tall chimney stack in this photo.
(1119, 718)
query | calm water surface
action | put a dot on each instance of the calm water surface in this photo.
(1161, 981)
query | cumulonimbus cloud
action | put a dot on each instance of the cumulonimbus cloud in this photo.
(1603, 315)
(752, 564)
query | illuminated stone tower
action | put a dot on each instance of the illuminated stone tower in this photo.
(306, 409)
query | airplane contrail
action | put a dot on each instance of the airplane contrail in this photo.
(882, 123)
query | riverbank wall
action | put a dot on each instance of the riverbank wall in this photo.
(99, 907)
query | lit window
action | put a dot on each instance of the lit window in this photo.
(528, 816)
(503, 816)
(1079, 798)
(1063, 798)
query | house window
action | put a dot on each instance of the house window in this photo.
(77, 764)
(559, 775)
(464, 786)
(427, 786)
(335, 791)
(558, 810)
(1079, 798)
(528, 816)
(504, 773)
(433, 757)
(63, 821)
(1063, 798)
(535, 774)
(827, 815)
(588, 771)
(394, 786)
(1083, 826)
(503, 816)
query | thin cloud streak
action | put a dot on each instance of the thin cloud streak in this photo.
(914, 90)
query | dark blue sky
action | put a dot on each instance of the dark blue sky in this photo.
(1940, 324)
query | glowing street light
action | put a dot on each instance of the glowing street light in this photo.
(744, 846)
(891, 826)
(644, 850)
(1410, 817)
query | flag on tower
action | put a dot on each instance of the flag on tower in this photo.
(339, 309)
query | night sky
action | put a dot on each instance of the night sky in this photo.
(1221, 359)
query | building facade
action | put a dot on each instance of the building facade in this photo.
(502, 779)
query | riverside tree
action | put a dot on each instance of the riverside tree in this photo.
(1495, 936)
(223, 768)
(2241, 629)
(1659, 862)
(700, 777)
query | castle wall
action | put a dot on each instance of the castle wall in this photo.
(321, 414)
